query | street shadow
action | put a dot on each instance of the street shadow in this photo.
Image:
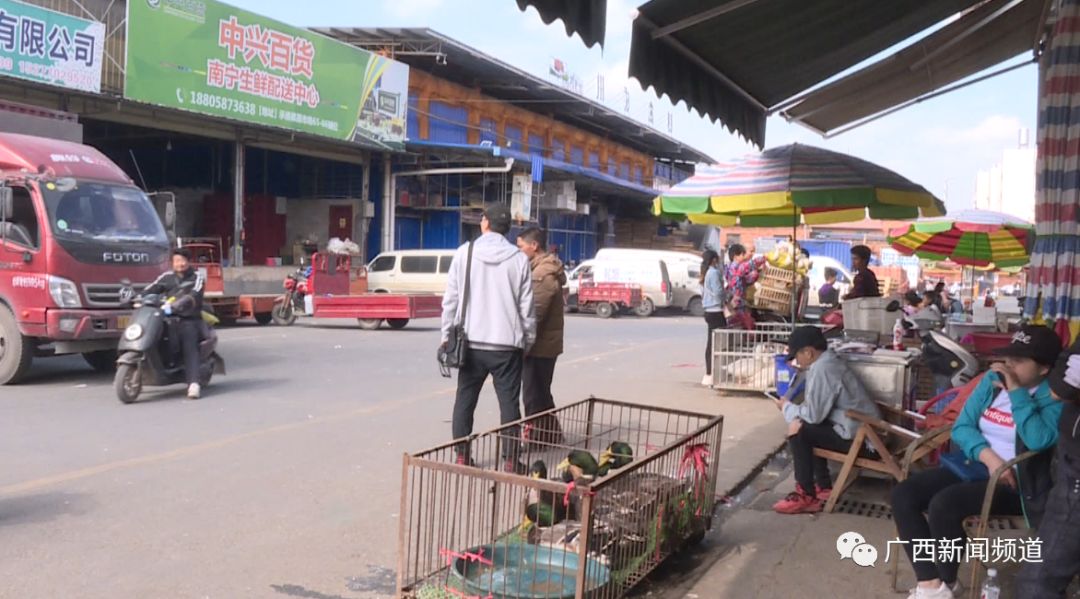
(34, 509)
(218, 389)
(295, 590)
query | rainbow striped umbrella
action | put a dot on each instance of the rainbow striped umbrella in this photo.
(796, 184)
(971, 238)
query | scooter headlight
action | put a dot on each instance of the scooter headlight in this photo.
(133, 332)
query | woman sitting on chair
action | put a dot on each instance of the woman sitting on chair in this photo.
(1010, 412)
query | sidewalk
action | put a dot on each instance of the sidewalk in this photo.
(754, 553)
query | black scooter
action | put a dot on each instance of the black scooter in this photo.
(145, 355)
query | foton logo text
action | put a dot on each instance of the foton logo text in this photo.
(125, 258)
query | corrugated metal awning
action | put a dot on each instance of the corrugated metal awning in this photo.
(985, 36)
(586, 18)
(733, 60)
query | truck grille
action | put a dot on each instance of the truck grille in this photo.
(106, 295)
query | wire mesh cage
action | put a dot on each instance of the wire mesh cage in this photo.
(610, 490)
(746, 360)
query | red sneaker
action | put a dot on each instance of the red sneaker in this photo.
(823, 495)
(798, 503)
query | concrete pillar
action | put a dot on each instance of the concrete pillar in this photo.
(361, 211)
(389, 205)
(238, 203)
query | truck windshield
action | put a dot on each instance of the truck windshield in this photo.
(102, 211)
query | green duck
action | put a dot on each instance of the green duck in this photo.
(580, 464)
(617, 455)
(544, 508)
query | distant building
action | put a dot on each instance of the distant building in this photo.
(1009, 186)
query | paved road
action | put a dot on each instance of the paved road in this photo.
(283, 481)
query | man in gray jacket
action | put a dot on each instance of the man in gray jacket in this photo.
(499, 325)
(821, 419)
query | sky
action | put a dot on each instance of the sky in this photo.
(941, 143)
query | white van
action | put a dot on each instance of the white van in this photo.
(651, 275)
(410, 271)
(817, 277)
(684, 269)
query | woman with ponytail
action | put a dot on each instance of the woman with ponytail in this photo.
(712, 299)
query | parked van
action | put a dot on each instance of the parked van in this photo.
(410, 271)
(684, 268)
(651, 275)
(817, 277)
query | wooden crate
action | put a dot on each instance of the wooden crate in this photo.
(771, 298)
(775, 278)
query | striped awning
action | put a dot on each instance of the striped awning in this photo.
(796, 184)
(1054, 276)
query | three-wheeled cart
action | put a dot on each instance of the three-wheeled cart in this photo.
(336, 295)
(608, 299)
(206, 259)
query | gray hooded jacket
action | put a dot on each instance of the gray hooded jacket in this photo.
(831, 390)
(501, 313)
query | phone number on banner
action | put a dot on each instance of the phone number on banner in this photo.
(222, 103)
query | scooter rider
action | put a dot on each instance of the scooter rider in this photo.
(184, 288)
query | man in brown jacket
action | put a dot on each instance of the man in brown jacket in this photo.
(548, 279)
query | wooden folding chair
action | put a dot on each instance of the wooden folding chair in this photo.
(895, 445)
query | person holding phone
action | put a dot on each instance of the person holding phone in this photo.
(1010, 412)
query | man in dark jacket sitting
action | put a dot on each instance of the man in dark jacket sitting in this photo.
(183, 288)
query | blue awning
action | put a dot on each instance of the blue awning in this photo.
(589, 177)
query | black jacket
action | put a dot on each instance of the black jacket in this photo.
(1035, 478)
(186, 288)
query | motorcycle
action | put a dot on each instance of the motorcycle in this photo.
(952, 365)
(291, 302)
(146, 358)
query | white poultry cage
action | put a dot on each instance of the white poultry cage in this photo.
(746, 360)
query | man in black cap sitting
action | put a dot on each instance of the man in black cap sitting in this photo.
(821, 419)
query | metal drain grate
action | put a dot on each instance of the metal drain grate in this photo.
(866, 509)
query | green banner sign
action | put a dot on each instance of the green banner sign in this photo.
(209, 57)
(50, 47)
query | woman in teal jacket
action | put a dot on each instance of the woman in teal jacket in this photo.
(1011, 411)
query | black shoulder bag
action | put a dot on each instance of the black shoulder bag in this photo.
(452, 353)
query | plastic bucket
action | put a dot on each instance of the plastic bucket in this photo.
(785, 374)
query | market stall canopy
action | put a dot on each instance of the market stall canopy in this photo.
(980, 238)
(796, 184)
(736, 61)
(587, 18)
(981, 38)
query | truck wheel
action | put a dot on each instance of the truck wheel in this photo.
(604, 310)
(16, 351)
(645, 308)
(283, 314)
(127, 383)
(695, 307)
(264, 318)
(369, 324)
(101, 361)
(397, 323)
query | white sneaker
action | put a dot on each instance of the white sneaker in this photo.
(706, 381)
(193, 391)
(941, 592)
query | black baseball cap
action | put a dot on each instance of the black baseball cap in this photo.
(1038, 343)
(804, 337)
(498, 216)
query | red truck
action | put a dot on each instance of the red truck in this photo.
(78, 240)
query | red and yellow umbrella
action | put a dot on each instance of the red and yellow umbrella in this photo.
(978, 238)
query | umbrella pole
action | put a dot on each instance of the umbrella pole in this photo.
(794, 266)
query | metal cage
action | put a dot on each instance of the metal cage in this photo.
(746, 360)
(477, 530)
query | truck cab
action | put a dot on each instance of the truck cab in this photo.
(78, 241)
